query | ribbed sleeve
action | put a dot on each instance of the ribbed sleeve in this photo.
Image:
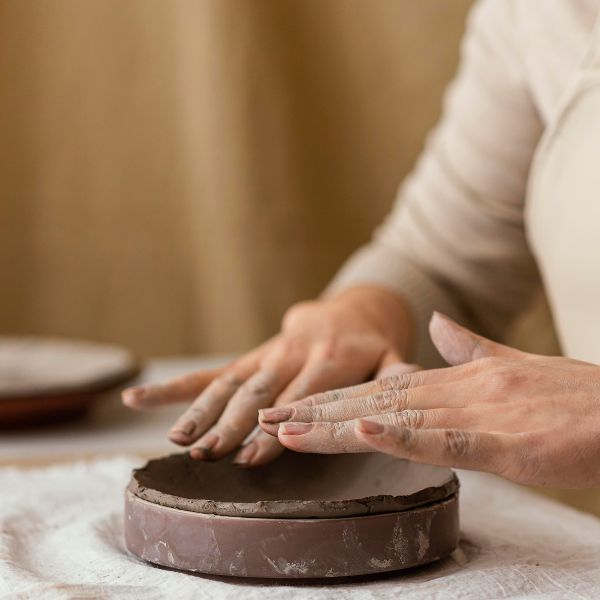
(455, 240)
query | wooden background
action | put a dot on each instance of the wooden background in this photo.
(174, 174)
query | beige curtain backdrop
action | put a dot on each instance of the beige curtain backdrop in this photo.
(174, 174)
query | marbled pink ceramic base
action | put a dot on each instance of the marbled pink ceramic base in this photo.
(290, 548)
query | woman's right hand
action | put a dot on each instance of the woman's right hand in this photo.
(324, 344)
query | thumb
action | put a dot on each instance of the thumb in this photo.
(393, 364)
(458, 345)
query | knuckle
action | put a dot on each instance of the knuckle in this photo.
(399, 399)
(386, 399)
(296, 313)
(372, 404)
(195, 412)
(506, 375)
(327, 350)
(259, 386)
(227, 428)
(415, 419)
(323, 398)
(337, 430)
(317, 413)
(229, 379)
(402, 399)
(309, 401)
(338, 434)
(398, 381)
(287, 346)
(333, 396)
(390, 399)
(457, 443)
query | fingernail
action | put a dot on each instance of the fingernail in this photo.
(245, 455)
(203, 450)
(275, 415)
(187, 428)
(295, 428)
(134, 393)
(369, 427)
(439, 315)
(270, 428)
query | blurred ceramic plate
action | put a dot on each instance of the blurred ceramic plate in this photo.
(43, 379)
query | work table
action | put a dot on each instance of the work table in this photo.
(60, 525)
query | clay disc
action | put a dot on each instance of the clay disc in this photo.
(303, 516)
(294, 486)
(46, 378)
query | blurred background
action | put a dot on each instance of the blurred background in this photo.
(173, 175)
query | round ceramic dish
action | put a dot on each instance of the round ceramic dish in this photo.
(290, 548)
(49, 379)
(311, 524)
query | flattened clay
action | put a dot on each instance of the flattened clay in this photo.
(294, 486)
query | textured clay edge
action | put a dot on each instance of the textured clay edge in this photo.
(299, 509)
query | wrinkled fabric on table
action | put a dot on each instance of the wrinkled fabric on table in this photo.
(61, 538)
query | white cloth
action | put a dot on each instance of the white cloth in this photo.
(564, 189)
(61, 538)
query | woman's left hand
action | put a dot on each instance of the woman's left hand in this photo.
(532, 419)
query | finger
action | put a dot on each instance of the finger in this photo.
(241, 413)
(394, 382)
(390, 401)
(458, 345)
(397, 368)
(316, 375)
(260, 450)
(186, 387)
(390, 357)
(339, 437)
(443, 447)
(179, 389)
(207, 407)
(393, 358)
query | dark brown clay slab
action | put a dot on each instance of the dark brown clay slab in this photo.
(293, 486)
(290, 548)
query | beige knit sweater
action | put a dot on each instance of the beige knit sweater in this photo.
(456, 240)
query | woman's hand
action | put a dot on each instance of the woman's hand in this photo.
(322, 345)
(532, 419)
